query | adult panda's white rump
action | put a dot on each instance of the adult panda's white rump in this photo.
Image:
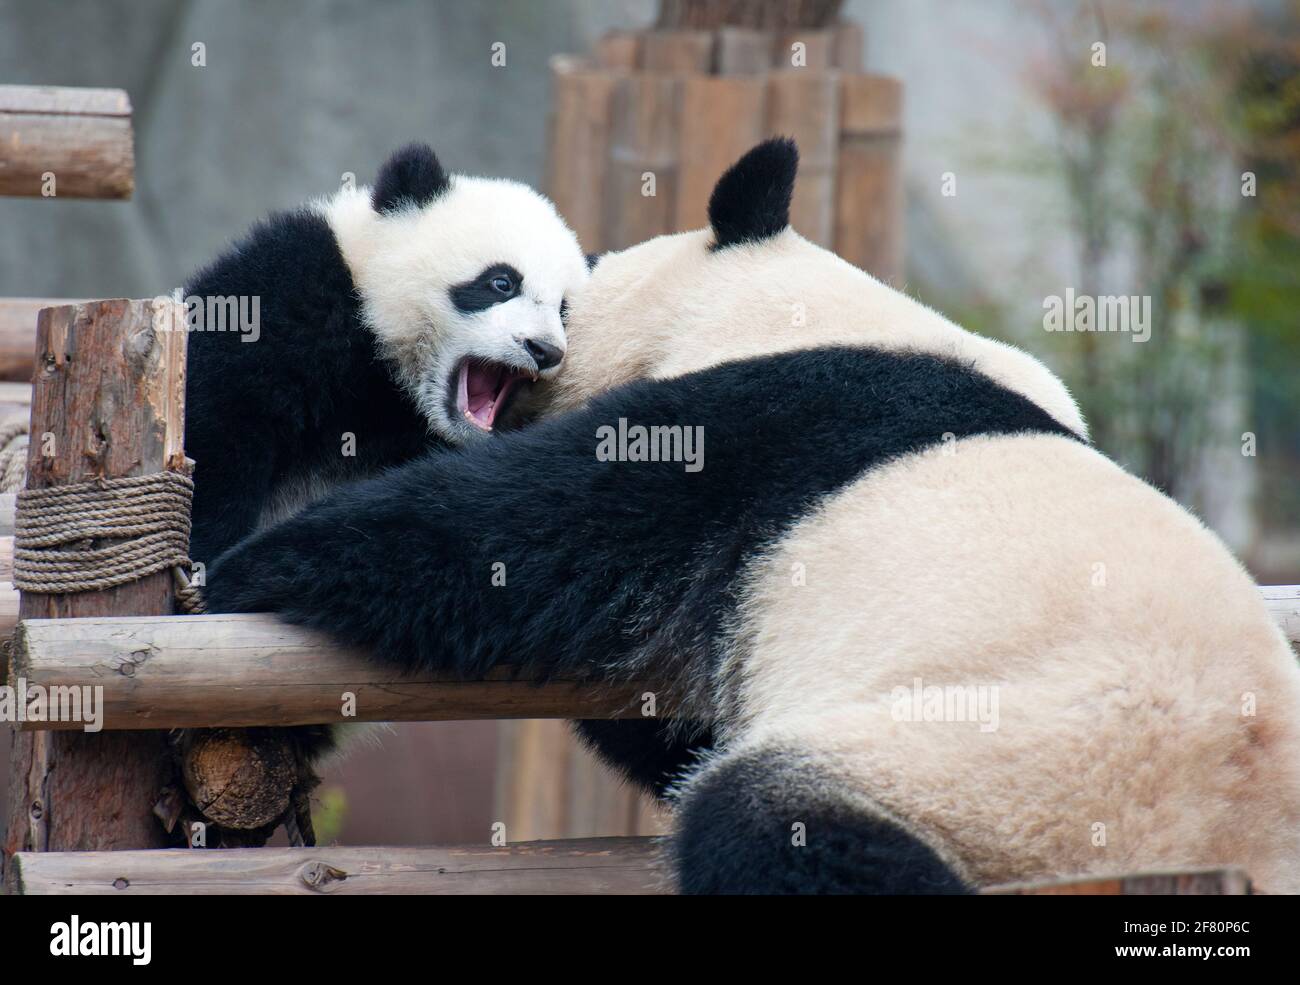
(1124, 700)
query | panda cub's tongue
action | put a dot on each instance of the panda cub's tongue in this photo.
(481, 389)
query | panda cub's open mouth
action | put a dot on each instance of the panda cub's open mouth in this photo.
(483, 389)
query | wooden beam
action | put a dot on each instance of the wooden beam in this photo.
(622, 866)
(7, 504)
(80, 137)
(18, 335)
(250, 670)
(111, 392)
(253, 670)
(869, 193)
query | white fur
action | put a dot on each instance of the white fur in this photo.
(1123, 691)
(405, 263)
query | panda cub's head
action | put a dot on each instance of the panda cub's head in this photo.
(463, 282)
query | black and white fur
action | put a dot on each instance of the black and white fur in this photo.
(372, 303)
(885, 499)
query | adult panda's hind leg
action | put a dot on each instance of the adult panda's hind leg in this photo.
(770, 820)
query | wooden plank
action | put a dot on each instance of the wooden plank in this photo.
(722, 118)
(18, 335)
(623, 866)
(247, 670)
(112, 393)
(804, 104)
(7, 503)
(640, 185)
(578, 147)
(869, 190)
(1192, 882)
(82, 137)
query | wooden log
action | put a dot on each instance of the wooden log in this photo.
(623, 866)
(250, 670)
(722, 118)
(18, 335)
(1193, 882)
(743, 51)
(805, 48)
(253, 670)
(869, 195)
(80, 136)
(804, 104)
(111, 390)
(640, 190)
(680, 52)
(578, 154)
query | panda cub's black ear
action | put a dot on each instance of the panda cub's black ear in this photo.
(412, 176)
(752, 200)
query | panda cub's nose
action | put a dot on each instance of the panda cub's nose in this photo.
(544, 354)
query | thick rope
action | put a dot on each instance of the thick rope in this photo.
(13, 453)
(58, 533)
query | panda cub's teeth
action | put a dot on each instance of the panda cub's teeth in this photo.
(482, 387)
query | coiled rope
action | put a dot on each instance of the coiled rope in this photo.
(59, 534)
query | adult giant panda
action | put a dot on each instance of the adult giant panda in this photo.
(886, 504)
(388, 319)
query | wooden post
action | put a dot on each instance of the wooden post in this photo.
(641, 184)
(65, 143)
(722, 118)
(869, 199)
(804, 104)
(110, 390)
(578, 151)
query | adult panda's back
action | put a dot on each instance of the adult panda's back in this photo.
(1130, 702)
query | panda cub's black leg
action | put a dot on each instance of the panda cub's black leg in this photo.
(771, 821)
(648, 751)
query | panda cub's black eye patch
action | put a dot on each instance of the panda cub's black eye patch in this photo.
(494, 284)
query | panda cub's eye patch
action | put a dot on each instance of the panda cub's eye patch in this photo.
(493, 285)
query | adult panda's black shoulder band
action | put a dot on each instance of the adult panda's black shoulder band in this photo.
(634, 538)
(413, 176)
(751, 201)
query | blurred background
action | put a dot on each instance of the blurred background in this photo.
(985, 157)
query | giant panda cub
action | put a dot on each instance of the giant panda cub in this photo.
(885, 505)
(389, 319)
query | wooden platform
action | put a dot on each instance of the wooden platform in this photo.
(621, 866)
(618, 866)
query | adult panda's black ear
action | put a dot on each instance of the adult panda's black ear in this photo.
(751, 202)
(412, 176)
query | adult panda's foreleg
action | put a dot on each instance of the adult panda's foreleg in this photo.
(650, 752)
(774, 820)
